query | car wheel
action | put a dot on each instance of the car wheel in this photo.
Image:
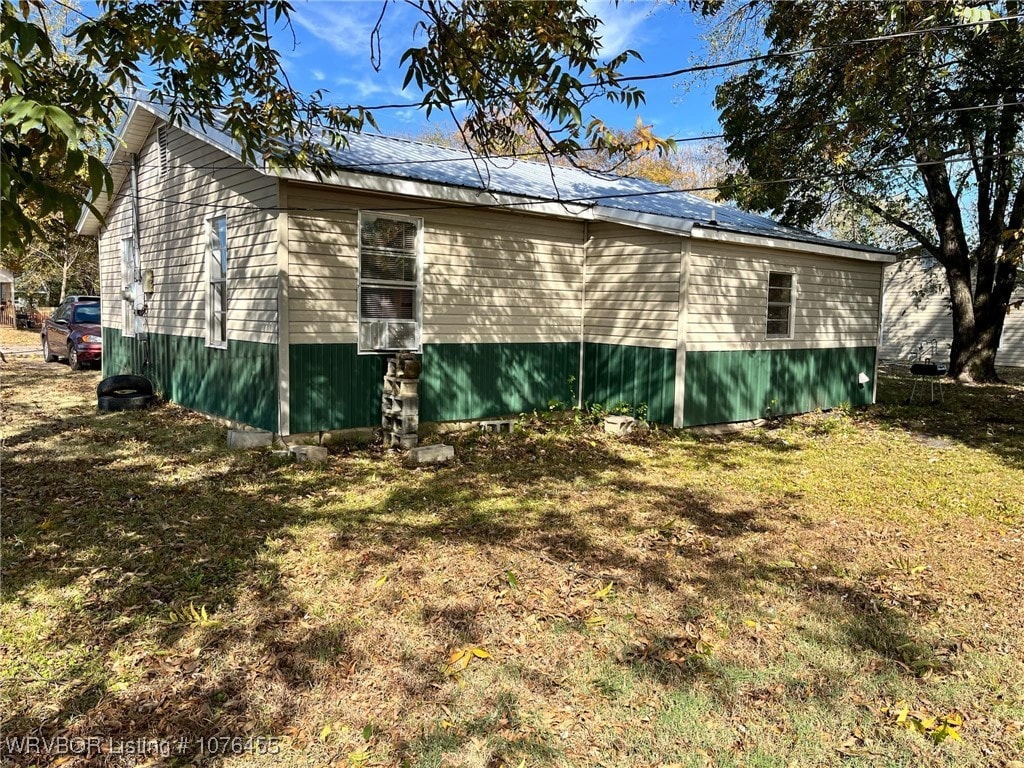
(124, 385)
(73, 362)
(125, 402)
(50, 358)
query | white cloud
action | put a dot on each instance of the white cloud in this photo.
(317, 75)
(346, 27)
(620, 24)
(362, 87)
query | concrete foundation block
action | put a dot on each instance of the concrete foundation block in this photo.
(496, 425)
(246, 438)
(312, 454)
(403, 442)
(426, 455)
(399, 387)
(619, 425)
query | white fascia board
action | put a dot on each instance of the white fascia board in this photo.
(391, 185)
(821, 249)
(652, 221)
(88, 223)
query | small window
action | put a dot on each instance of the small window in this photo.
(217, 283)
(389, 283)
(780, 305)
(129, 282)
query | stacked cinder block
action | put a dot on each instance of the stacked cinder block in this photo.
(400, 405)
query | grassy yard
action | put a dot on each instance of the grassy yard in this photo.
(840, 589)
(10, 337)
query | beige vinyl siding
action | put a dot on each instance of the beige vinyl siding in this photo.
(200, 182)
(916, 309)
(488, 276)
(119, 226)
(632, 291)
(836, 301)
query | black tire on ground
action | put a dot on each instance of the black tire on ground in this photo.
(47, 356)
(125, 403)
(124, 385)
(73, 362)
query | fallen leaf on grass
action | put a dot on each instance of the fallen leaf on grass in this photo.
(938, 728)
(459, 659)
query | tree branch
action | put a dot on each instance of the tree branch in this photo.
(930, 245)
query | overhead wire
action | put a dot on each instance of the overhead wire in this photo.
(697, 68)
(535, 200)
(542, 153)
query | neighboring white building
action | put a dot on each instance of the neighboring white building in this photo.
(916, 310)
(6, 297)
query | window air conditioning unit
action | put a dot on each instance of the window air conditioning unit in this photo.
(389, 335)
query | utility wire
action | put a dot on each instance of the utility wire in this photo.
(533, 153)
(711, 66)
(585, 199)
(817, 49)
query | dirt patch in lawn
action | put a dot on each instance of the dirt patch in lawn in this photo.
(19, 337)
(828, 591)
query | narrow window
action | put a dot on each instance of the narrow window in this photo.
(162, 142)
(129, 284)
(389, 283)
(217, 284)
(780, 305)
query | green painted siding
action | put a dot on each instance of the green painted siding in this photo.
(738, 385)
(473, 381)
(333, 387)
(615, 374)
(237, 383)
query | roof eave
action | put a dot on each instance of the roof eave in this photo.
(443, 193)
(842, 251)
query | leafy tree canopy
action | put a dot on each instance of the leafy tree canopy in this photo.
(911, 111)
(505, 66)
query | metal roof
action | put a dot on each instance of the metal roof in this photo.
(417, 161)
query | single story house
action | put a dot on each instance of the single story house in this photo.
(269, 298)
(6, 297)
(917, 315)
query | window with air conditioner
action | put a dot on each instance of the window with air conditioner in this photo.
(390, 283)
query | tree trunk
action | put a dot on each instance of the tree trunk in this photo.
(65, 268)
(964, 325)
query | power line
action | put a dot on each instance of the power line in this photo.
(709, 66)
(817, 49)
(588, 199)
(533, 153)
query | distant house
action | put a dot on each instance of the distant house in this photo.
(269, 299)
(6, 297)
(916, 311)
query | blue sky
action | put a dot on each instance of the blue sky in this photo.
(332, 51)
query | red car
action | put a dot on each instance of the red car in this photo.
(73, 331)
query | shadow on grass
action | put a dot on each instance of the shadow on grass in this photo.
(987, 417)
(151, 521)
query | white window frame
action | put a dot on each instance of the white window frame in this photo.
(416, 285)
(129, 276)
(212, 259)
(769, 304)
